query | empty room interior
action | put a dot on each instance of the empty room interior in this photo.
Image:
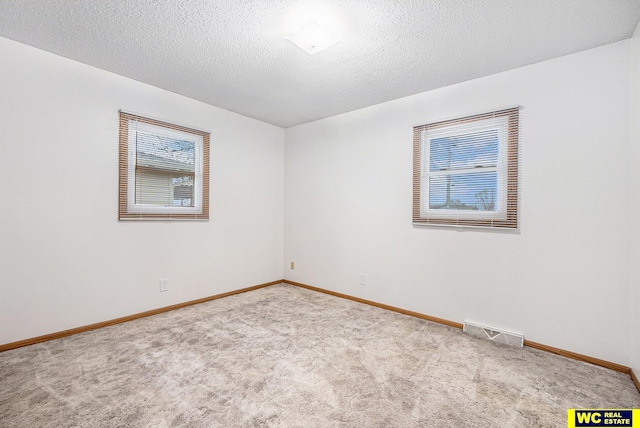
(319, 213)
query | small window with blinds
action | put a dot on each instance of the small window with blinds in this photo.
(164, 170)
(466, 171)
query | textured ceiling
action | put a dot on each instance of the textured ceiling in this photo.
(234, 55)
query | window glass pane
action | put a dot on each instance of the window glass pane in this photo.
(473, 150)
(472, 191)
(165, 170)
(182, 190)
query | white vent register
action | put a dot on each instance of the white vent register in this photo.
(497, 335)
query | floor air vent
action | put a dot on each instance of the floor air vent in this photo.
(497, 335)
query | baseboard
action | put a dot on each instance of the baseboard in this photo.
(378, 305)
(120, 320)
(634, 378)
(579, 357)
(564, 353)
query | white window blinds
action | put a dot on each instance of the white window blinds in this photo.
(164, 170)
(466, 171)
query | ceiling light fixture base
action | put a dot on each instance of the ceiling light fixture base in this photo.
(313, 38)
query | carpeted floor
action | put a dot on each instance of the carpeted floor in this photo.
(283, 356)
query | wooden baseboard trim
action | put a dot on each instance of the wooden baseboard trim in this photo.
(634, 378)
(376, 304)
(579, 357)
(120, 320)
(568, 354)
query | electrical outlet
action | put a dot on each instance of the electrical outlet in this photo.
(293, 266)
(362, 279)
(164, 285)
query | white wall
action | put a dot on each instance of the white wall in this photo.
(562, 280)
(634, 235)
(65, 260)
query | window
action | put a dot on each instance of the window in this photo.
(466, 171)
(164, 170)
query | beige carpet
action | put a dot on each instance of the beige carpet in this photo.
(287, 357)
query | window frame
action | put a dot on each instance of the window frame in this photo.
(506, 121)
(130, 125)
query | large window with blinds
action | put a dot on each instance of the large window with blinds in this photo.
(164, 170)
(466, 171)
